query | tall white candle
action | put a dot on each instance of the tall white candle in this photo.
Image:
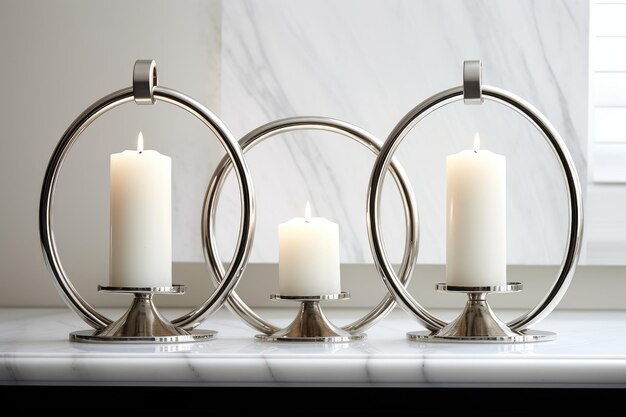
(141, 218)
(308, 256)
(476, 218)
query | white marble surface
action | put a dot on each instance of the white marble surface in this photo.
(590, 351)
(368, 63)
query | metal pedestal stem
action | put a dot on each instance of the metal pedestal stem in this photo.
(310, 324)
(478, 323)
(142, 322)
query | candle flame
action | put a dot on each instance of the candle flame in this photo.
(476, 142)
(307, 210)
(140, 142)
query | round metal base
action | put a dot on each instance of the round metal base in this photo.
(322, 339)
(92, 336)
(527, 336)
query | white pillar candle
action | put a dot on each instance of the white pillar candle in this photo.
(476, 218)
(308, 256)
(141, 218)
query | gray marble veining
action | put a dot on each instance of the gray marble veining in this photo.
(369, 62)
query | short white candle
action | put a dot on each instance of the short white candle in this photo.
(141, 218)
(476, 218)
(308, 256)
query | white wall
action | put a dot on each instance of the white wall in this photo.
(57, 58)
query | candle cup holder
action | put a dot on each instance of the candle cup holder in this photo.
(142, 322)
(478, 323)
(311, 325)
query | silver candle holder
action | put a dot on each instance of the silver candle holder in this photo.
(310, 312)
(142, 323)
(477, 323)
(311, 324)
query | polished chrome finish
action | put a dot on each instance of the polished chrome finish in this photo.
(477, 322)
(246, 195)
(174, 289)
(142, 323)
(144, 80)
(310, 123)
(193, 336)
(472, 82)
(310, 324)
(508, 287)
(575, 230)
(477, 319)
(341, 296)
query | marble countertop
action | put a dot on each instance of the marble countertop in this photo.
(590, 351)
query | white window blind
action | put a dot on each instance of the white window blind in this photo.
(607, 101)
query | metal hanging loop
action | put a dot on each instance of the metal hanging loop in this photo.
(144, 80)
(472, 82)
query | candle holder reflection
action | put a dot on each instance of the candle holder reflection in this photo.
(142, 322)
(310, 324)
(477, 322)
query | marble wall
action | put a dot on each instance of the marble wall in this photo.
(58, 58)
(368, 63)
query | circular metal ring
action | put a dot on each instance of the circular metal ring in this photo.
(246, 232)
(566, 271)
(309, 123)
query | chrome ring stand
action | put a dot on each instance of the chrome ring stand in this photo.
(258, 135)
(145, 91)
(473, 92)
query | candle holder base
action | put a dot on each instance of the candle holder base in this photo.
(478, 323)
(311, 325)
(142, 322)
